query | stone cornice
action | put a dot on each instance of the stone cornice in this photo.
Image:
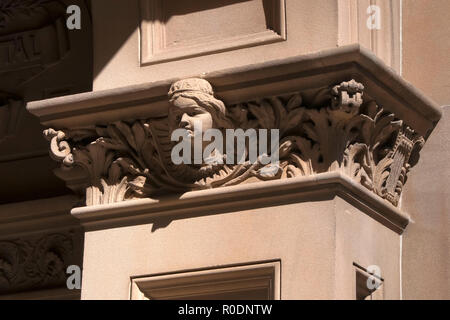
(47, 215)
(246, 196)
(312, 71)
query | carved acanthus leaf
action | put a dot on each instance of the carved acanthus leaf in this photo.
(33, 263)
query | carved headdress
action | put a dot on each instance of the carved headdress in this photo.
(200, 91)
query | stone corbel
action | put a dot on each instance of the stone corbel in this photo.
(348, 114)
(131, 159)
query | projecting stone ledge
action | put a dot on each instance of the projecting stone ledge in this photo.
(340, 111)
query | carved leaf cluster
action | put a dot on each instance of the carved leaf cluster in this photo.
(27, 264)
(10, 8)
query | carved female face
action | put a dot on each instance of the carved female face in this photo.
(186, 114)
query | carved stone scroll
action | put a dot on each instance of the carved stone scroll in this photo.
(132, 159)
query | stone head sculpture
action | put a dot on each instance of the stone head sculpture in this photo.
(192, 100)
(195, 109)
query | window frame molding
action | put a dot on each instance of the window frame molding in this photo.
(225, 279)
(152, 36)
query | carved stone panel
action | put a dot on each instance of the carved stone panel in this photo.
(33, 36)
(37, 262)
(231, 25)
(40, 58)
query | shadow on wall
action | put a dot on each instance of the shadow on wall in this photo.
(130, 11)
(39, 59)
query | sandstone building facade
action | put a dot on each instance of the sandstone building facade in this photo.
(357, 207)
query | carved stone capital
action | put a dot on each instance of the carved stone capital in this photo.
(33, 37)
(346, 114)
(132, 159)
